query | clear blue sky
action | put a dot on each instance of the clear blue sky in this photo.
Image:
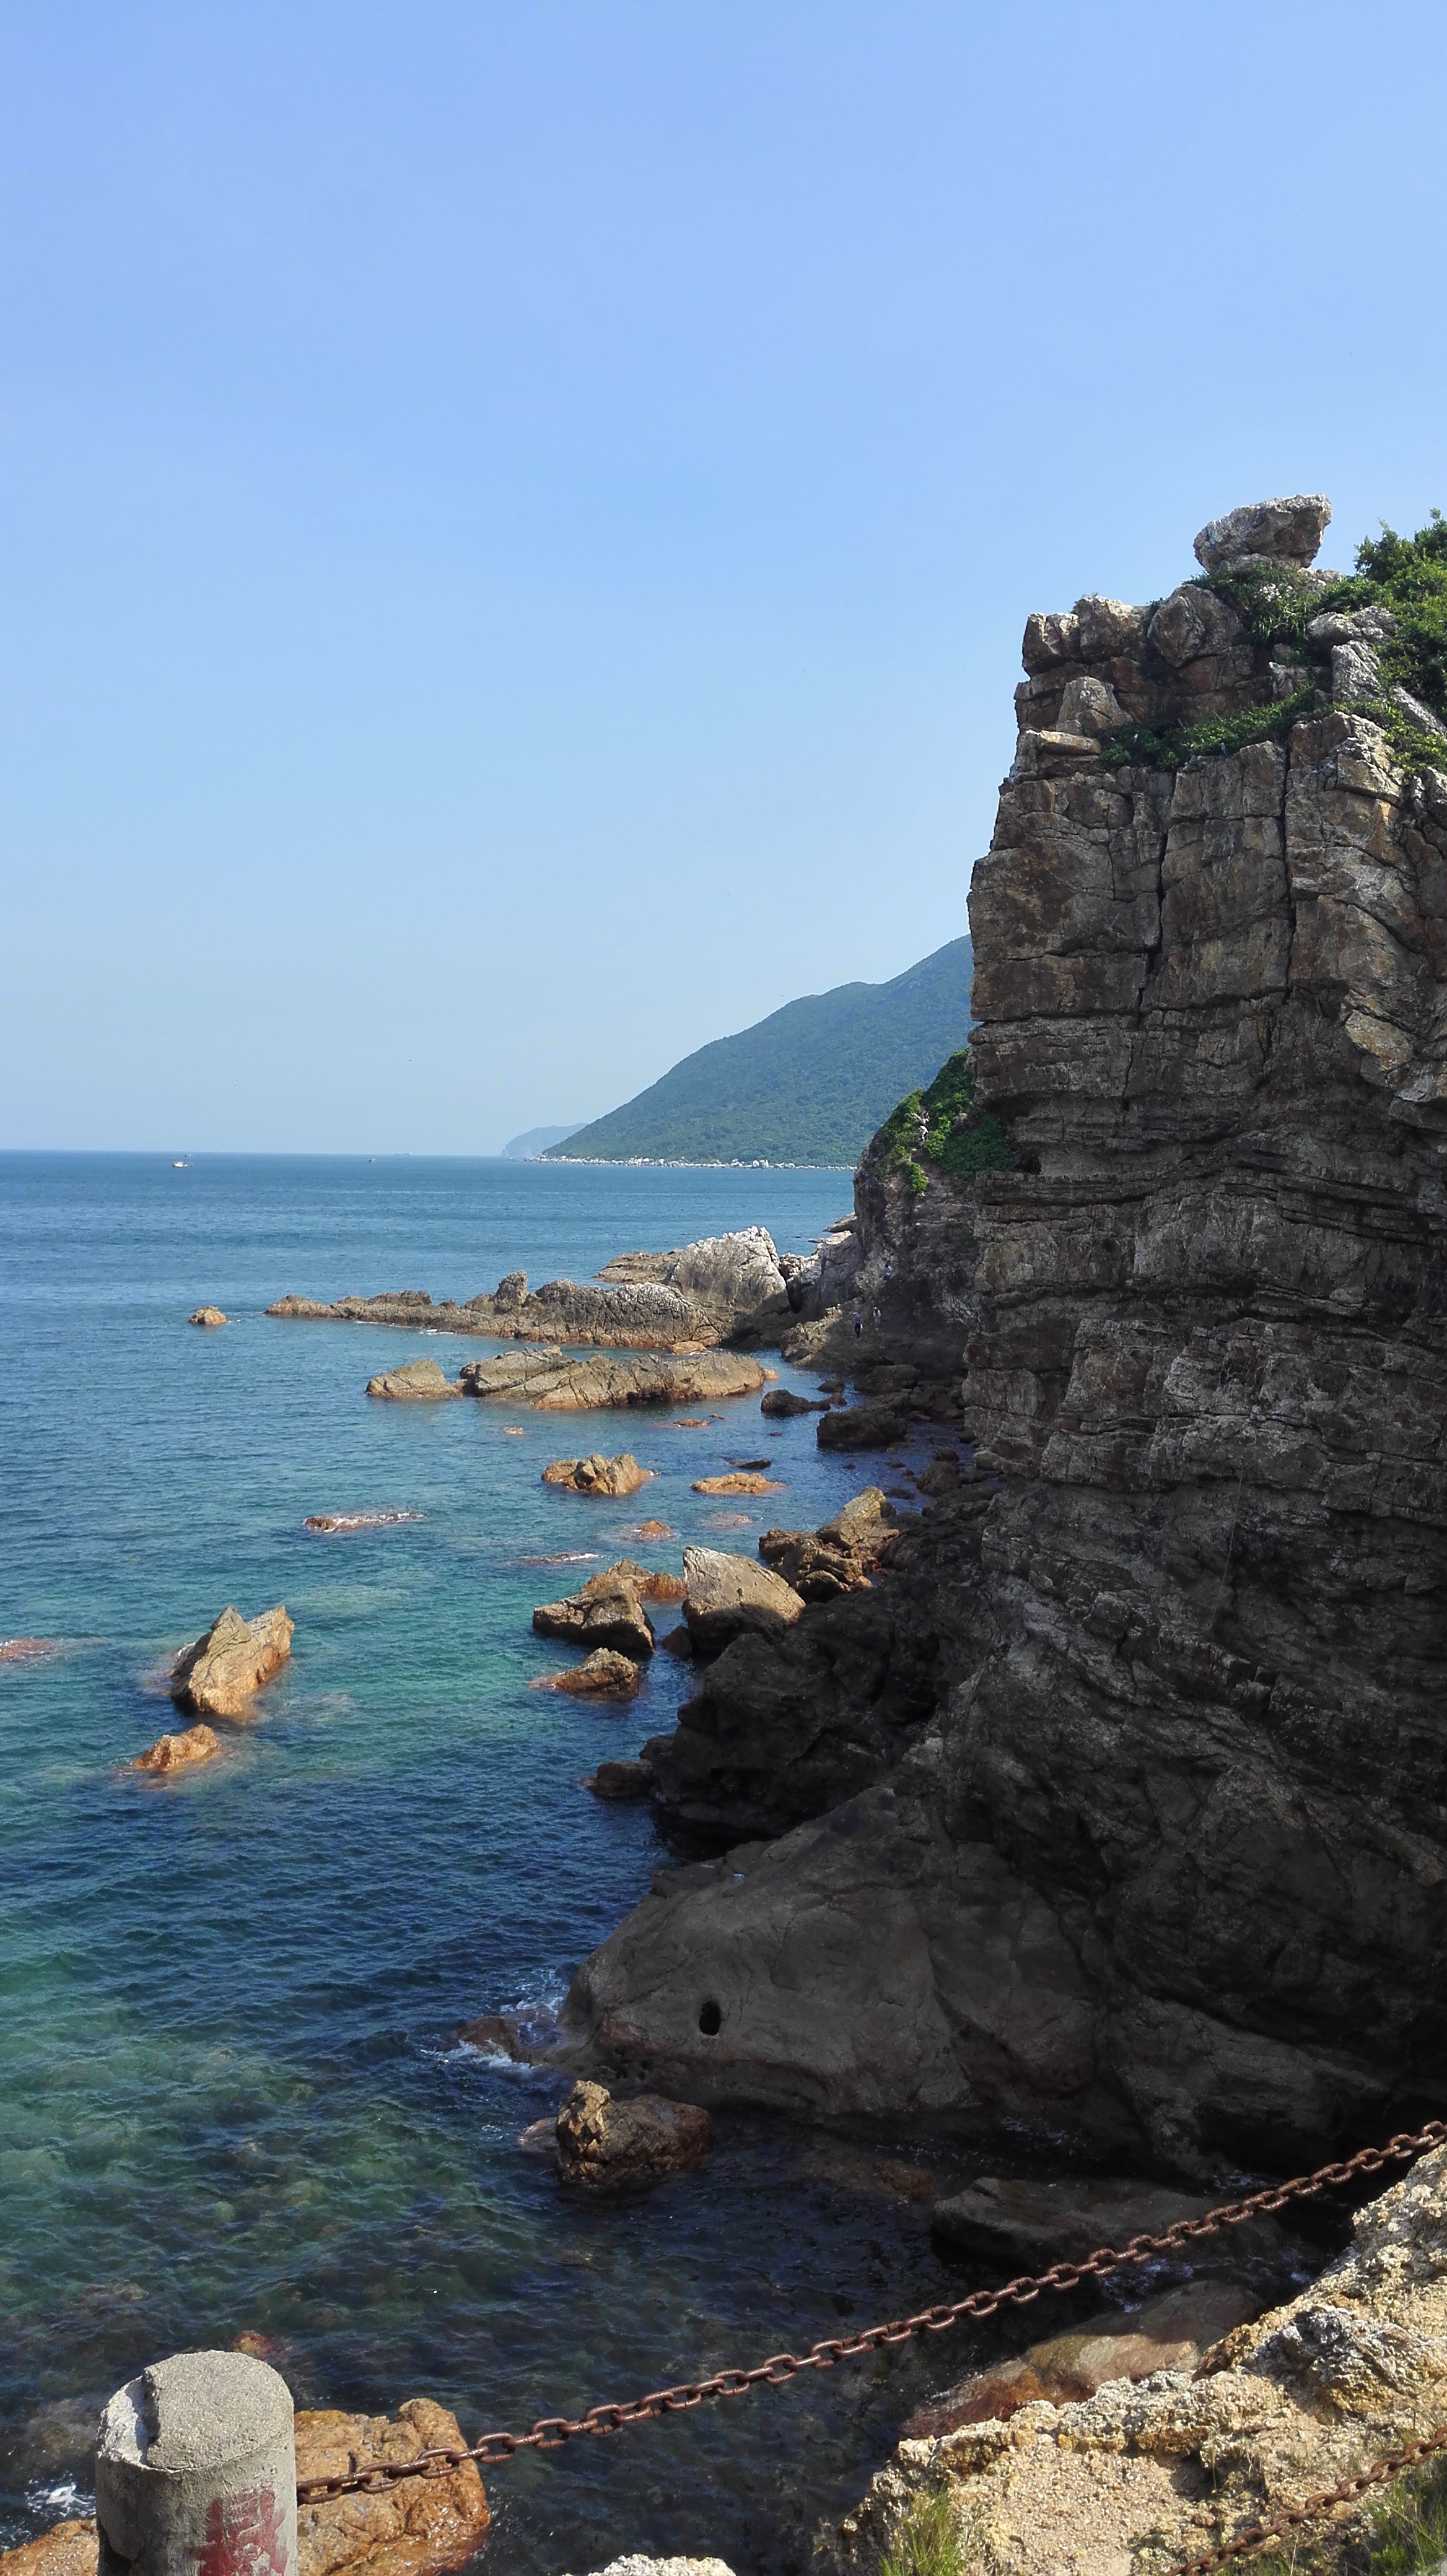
(517, 515)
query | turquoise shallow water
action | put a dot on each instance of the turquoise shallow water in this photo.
(230, 2100)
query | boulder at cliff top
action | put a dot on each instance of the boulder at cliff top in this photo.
(171, 1753)
(1286, 531)
(606, 1612)
(727, 1595)
(209, 1316)
(597, 1474)
(417, 1382)
(612, 2144)
(220, 1675)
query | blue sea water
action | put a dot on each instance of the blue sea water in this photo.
(230, 2095)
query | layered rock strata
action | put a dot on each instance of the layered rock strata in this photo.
(1154, 1855)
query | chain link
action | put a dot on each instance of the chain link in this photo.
(552, 2431)
(1257, 2534)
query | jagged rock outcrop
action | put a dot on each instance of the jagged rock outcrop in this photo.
(221, 1673)
(609, 1477)
(712, 1291)
(611, 2145)
(1191, 1737)
(607, 1612)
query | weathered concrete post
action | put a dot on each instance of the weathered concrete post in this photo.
(195, 2471)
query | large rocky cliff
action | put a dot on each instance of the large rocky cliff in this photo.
(1162, 1868)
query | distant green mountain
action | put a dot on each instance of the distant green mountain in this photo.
(809, 1084)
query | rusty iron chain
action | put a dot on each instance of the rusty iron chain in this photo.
(1312, 2507)
(552, 2431)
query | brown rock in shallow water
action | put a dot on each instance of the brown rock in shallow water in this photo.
(418, 1382)
(1168, 2333)
(598, 1475)
(220, 1675)
(608, 2143)
(208, 1315)
(554, 1383)
(738, 1483)
(419, 2527)
(605, 1674)
(606, 1612)
(178, 1752)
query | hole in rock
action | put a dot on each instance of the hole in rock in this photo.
(710, 2021)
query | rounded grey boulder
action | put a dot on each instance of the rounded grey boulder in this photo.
(1288, 531)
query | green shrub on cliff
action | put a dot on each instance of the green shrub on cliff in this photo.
(942, 1127)
(1277, 602)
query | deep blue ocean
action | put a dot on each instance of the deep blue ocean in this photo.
(232, 2101)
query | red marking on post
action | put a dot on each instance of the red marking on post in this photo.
(245, 2536)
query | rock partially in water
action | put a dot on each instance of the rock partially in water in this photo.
(424, 2526)
(419, 2527)
(781, 1401)
(553, 1383)
(608, 2143)
(619, 1781)
(1025, 2223)
(1171, 2332)
(171, 1753)
(608, 1611)
(329, 1524)
(207, 1315)
(417, 1382)
(1149, 2475)
(647, 1533)
(738, 1481)
(220, 1675)
(844, 1556)
(729, 1596)
(604, 1675)
(864, 1426)
(30, 1650)
(618, 1476)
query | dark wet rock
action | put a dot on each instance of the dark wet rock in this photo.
(1026, 2223)
(781, 1401)
(864, 1426)
(845, 1555)
(620, 1781)
(611, 2144)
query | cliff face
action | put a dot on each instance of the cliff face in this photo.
(1196, 1774)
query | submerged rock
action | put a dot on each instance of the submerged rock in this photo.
(220, 1675)
(1171, 2332)
(598, 1475)
(181, 1752)
(611, 2143)
(1027, 2223)
(417, 1382)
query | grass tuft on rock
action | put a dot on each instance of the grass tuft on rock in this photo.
(926, 2541)
(1276, 603)
(1405, 2535)
(941, 1128)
